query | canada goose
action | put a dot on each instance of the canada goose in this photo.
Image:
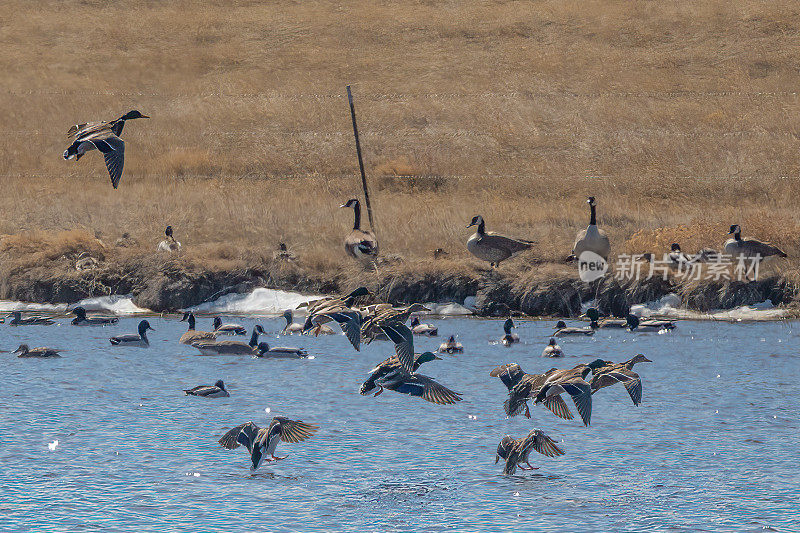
(216, 347)
(573, 382)
(24, 351)
(523, 387)
(552, 350)
(132, 339)
(562, 330)
(451, 345)
(279, 352)
(217, 390)
(102, 136)
(169, 244)
(33, 320)
(517, 451)
(749, 248)
(423, 329)
(591, 239)
(359, 244)
(492, 247)
(283, 254)
(611, 373)
(228, 329)
(391, 366)
(509, 338)
(262, 442)
(82, 320)
(191, 336)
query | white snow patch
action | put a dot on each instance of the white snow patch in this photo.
(117, 304)
(669, 306)
(261, 300)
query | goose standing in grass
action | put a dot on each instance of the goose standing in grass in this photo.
(552, 350)
(217, 347)
(493, 247)
(262, 442)
(426, 330)
(102, 136)
(595, 323)
(509, 338)
(612, 373)
(24, 351)
(573, 382)
(283, 254)
(359, 244)
(645, 326)
(228, 329)
(749, 248)
(562, 330)
(523, 387)
(517, 451)
(169, 244)
(279, 352)
(391, 366)
(451, 345)
(132, 339)
(191, 335)
(217, 390)
(81, 319)
(33, 320)
(591, 239)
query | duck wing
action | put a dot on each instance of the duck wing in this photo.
(292, 431)
(581, 394)
(426, 388)
(244, 434)
(541, 443)
(629, 378)
(403, 340)
(87, 128)
(350, 322)
(113, 149)
(510, 374)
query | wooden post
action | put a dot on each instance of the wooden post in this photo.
(360, 160)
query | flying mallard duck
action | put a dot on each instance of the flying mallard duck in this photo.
(389, 367)
(372, 324)
(509, 338)
(191, 336)
(359, 244)
(591, 239)
(262, 442)
(493, 247)
(517, 451)
(552, 350)
(562, 330)
(82, 320)
(451, 346)
(102, 136)
(24, 351)
(132, 339)
(573, 382)
(611, 373)
(340, 310)
(523, 387)
(217, 390)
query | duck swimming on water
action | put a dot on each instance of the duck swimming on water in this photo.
(82, 320)
(132, 339)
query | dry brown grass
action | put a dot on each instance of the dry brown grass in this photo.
(685, 110)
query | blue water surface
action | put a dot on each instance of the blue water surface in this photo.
(713, 447)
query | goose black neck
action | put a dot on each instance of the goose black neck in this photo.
(191, 322)
(357, 215)
(253, 339)
(593, 218)
(481, 227)
(738, 235)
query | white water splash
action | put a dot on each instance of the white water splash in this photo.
(53, 445)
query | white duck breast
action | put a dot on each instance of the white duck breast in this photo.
(552, 350)
(592, 239)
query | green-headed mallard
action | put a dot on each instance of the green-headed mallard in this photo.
(32, 320)
(426, 330)
(132, 339)
(217, 390)
(228, 329)
(451, 345)
(391, 366)
(645, 326)
(279, 352)
(610, 373)
(596, 323)
(562, 330)
(552, 350)
(262, 442)
(493, 247)
(517, 451)
(81, 319)
(509, 338)
(573, 382)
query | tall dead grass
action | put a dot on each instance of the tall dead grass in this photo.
(681, 118)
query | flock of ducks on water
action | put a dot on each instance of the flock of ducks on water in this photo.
(363, 324)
